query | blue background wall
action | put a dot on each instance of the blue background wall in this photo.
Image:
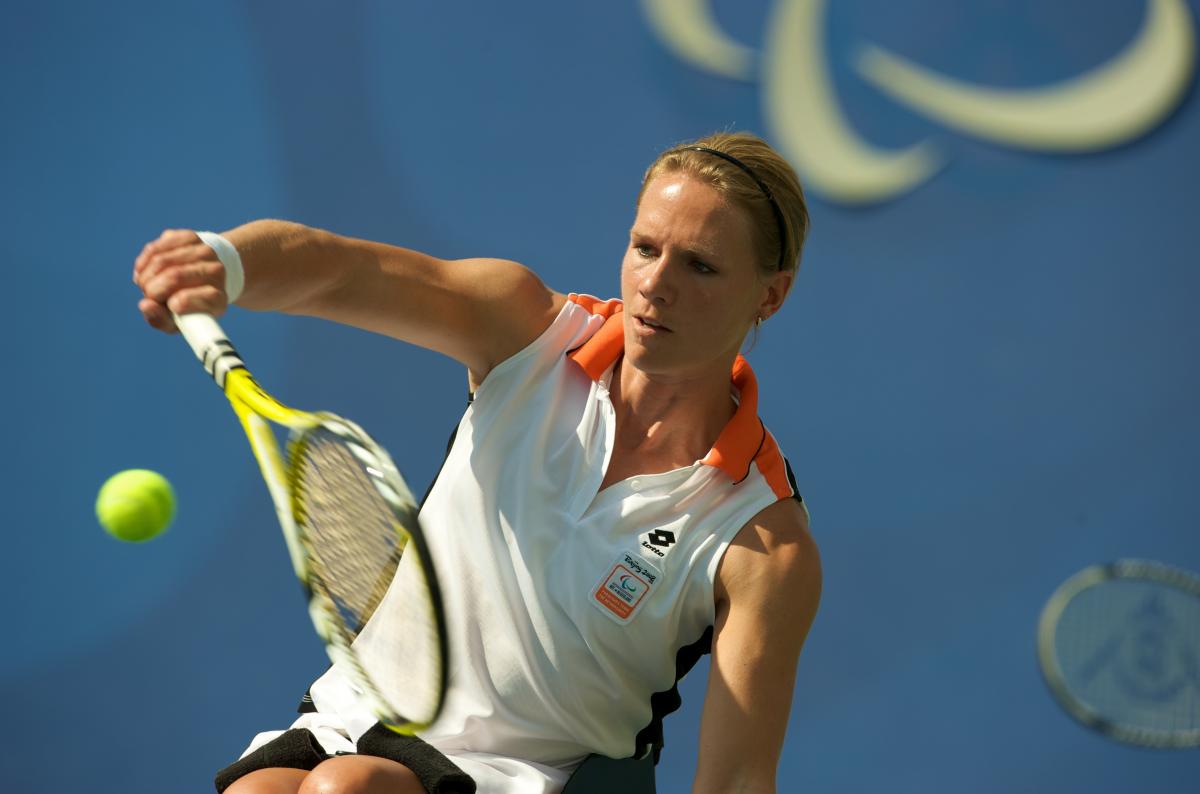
(984, 384)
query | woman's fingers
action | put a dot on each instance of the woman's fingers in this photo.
(179, 275)
(206, 298)
(167, 241)
(157, 315)
(156, 262)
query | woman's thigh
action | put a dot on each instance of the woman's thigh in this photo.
(361, 774)
(269, 781)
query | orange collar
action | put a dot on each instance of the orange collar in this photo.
(744, 434)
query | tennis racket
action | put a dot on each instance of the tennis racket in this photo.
(1119, 647)
(350, 523)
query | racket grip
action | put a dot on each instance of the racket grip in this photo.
(210, 344)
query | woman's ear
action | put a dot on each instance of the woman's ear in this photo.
(777, 286)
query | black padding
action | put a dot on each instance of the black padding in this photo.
(437, 773)
(293, 749)
(600, 775)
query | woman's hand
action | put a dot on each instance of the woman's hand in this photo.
(178, 273)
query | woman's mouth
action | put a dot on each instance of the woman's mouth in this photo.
(650, 325)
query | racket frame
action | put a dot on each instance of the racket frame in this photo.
(256, 409)
(1052, 672)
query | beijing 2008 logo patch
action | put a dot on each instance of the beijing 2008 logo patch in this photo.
(626, 586)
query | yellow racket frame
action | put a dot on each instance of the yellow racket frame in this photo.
(255, 410)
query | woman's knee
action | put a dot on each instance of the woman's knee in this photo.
(269, 781)
(361, 774)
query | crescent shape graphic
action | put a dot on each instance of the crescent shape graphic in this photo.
(1111, 104)
(689, 30)
(804, 117)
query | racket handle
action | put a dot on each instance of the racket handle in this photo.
(210, 344)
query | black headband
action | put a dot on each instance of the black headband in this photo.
(729, 158)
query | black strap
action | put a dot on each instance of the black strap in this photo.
(293, 749)
(437, 773)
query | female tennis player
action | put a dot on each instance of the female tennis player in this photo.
(611, 506)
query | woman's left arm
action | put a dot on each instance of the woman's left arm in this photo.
(767, 590)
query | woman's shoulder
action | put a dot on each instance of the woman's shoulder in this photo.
(781, 529)
(557, 325)
(773, 556)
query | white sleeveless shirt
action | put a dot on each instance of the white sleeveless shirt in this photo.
(566, 605)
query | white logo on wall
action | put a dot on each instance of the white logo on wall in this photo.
(1111, 104)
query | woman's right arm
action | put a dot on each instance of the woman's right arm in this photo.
(477, 311)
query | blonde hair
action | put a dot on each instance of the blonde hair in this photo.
(741, 189)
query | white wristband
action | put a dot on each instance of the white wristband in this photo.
(235, 275)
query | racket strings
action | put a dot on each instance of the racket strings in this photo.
(353, 515)
(1130, 653)
(351, 535)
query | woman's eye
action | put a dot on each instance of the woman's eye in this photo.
(702, 268)
(644, 251)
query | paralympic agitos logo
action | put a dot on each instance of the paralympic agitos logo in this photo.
(1111, 104)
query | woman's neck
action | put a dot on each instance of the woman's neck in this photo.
(667, 423)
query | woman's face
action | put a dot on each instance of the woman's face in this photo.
(690, 281)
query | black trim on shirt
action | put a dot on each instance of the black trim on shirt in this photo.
(663, 703)
(792, 481)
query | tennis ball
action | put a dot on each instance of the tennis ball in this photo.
(135, 505)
